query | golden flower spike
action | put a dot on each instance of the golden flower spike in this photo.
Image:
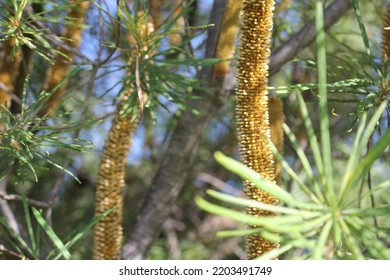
(227, 37)
(58, 71)
(110, 185)
(386, 35)
(9, 68)
(108, 232)
(252, 108)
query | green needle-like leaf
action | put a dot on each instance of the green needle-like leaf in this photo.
(51, 234)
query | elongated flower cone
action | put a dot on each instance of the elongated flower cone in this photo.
(9, 67)
(108, 232)
(386, 35)
(252, 108)
(58, 71)
(227, 37)
(110, 186)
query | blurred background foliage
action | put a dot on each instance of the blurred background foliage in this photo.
(89, 102)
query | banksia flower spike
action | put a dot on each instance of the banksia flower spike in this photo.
(111, 184)
(108, 232)
(386, 35)
(175, 39)
(58, 71)
(252, 108)
(227, 37)
(8, 71)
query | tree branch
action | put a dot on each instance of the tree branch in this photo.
(183, 145)
(307, 35)
(32, 202)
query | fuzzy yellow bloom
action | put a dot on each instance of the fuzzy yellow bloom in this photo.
(227, 37)
(386, 35)
(8, 71)
(108, 232)
(58, 71)
(252, 108)
(111, 184)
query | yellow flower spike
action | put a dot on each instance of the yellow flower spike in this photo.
(252, 108)
(176, 38)
(108, 232)
(386, 35)
(57, 72)
(8, 71)
(227, 37)
(110, 185)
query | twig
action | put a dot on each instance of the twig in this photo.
(12, 253)
(172, 240)
(5, 208)
(33, 202)
(219, 184)
(307, 35)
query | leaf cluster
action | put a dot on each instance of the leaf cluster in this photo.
(25, 137)
(34, 249)
(154, 67)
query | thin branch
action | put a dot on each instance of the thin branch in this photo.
(32, 202)
(11, 253)
(219, 184)
(5, 208)
(307, 35)
(172, 239)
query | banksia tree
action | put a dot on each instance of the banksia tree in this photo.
(62, 66)
(108, 232)
(252, 108)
